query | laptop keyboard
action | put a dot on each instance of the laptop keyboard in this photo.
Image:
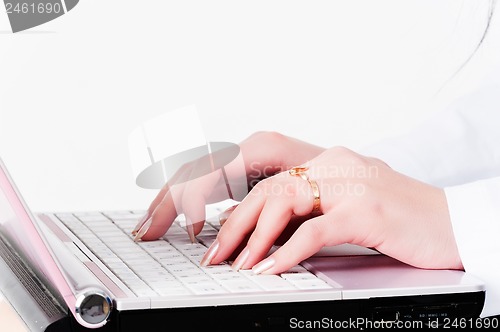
(171, 265)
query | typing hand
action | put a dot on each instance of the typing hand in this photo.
(359, 200)
(261, 155)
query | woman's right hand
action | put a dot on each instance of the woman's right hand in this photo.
(262, 154)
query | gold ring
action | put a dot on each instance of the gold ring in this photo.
(301, 172)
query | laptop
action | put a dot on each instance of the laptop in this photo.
(81, 271)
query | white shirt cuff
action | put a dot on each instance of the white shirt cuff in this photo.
(475, 215)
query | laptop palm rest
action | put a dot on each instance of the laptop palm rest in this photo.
(400, 290)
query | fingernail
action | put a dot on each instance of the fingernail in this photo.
(140, 223)
(222, 219)
(190, 231)
(240, 260)
(263, 266)
(210, 254)
(225, 214)
(143, 230)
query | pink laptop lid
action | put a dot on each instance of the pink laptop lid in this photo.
(21, 230)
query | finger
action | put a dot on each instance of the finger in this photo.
(225, 214)
(194, 199)
(290, 196)
(291, 227)
(191, 197)
(177, 178)
(162, 217)
(159, 197)
(279, 198)
(309, 238)
(272, 221)
(239, 224)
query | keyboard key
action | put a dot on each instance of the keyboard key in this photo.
(238, 286)
(311, 284)
(196, 279)
(145, 292)
(206, 288)
(298, 276)
(171, 291)
(271, 282)
(234, 276)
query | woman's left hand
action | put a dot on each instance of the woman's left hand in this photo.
(362, 201)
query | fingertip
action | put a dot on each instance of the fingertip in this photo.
(276, 263)
(224, 215)
(265, 266)
(190, 231)
(153, 234)
(142, 230)
(140, 223)
(198, 227)
(157, 228)
(193, 228)
(194, 214)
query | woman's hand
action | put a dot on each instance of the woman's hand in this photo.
(362, 201)
(263, 154)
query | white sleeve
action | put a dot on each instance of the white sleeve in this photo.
(459, 145)
(459, 150)
(475, 214)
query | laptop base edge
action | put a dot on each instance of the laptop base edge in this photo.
(416, 311)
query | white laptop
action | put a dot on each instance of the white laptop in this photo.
(82, 271)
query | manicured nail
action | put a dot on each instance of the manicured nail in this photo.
(223, 218)
(140, 223)
(143, 230)
(190, 231)
(263, 266)
(240, 260)
(210, 254)
(225, 214)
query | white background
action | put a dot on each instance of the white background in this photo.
(329, 72)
